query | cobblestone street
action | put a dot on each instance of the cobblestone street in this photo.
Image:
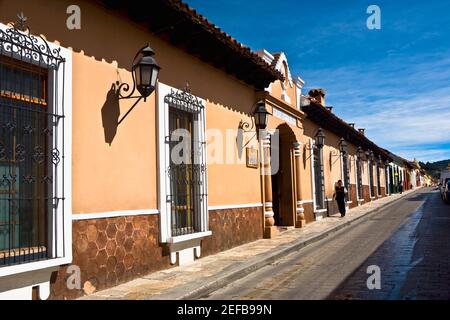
(409, 242)
(299, 263)
(414, 261)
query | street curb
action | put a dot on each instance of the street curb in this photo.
(202, 289)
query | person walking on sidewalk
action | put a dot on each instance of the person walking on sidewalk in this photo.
(400, 187)
(340, 195)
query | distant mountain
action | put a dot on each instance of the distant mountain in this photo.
(434, 168)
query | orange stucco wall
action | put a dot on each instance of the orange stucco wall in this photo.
(120, 175)
(276, 89)
(116, 168)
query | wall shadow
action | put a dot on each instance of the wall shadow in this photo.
(110, 114)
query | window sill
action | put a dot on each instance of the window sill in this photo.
(188, 237)
(33, 266)
(186, 248)
(320, 211)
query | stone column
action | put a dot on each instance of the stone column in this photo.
(300, 211)
(269, 221)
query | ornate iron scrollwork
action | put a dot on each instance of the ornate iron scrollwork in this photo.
(20, 152)
(56, 156)
(38, 155)
(9, 180)
(4, 182)
(31, 151)
(46, 179)
(19, 41)
(47, 132)
(184, 100)
(9, 126)
(29, 179)
(2, 151)
(28, 129)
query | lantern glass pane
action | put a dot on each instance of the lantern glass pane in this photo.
(154, 77)
(257, 120)
(260, 120)
(265, 119)
(146, 72)
(137, 75)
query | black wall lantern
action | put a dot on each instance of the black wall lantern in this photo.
(319, 138)
(360, 152)
(343, 148)
(260, 118)
(380, 161)
(145, 71)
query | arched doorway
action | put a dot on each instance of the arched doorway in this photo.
(283, 180)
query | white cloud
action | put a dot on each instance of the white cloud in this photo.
(403, 102)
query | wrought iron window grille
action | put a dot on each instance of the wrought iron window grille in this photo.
(319, 178)
(31, 152)
(186, 180)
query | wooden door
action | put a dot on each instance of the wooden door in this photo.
(286, 184)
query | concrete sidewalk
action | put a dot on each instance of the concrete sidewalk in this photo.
(213, 272)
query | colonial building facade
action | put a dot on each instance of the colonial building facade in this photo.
(94, 190)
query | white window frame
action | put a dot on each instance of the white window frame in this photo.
(313, 180)
(62, 234)
(311, 161)
(163, 161)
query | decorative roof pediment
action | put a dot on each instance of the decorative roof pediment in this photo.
(280, 64)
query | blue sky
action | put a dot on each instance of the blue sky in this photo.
(395, 82)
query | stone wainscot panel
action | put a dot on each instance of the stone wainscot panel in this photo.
(231, 228)
(309, 212)
(110, 251)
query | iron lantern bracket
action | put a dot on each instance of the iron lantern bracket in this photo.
(129, 110)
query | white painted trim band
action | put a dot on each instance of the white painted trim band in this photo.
(236, 206)
(113, 214)
(33, 266)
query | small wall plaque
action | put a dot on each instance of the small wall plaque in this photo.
(252, 157)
